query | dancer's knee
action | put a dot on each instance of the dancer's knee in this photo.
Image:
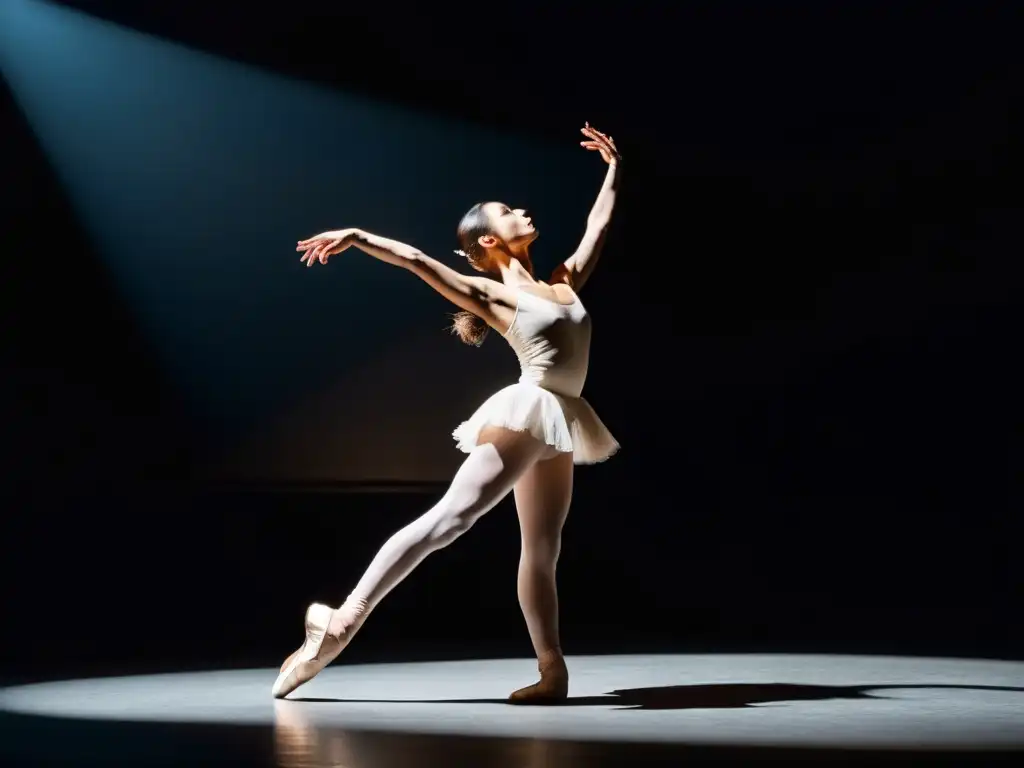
(450, 525)
(542, 552)
(456, 513)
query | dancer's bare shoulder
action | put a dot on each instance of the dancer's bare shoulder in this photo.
(558, 289)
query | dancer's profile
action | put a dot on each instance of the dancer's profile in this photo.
(525, 438)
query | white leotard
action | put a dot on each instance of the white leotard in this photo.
(552, 343)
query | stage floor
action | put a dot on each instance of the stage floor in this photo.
(620, 707)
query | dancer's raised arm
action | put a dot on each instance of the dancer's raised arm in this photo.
(478, 295)
(577, 268)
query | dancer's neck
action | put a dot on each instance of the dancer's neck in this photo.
(518, 270)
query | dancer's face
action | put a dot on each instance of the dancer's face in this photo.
(511, 226)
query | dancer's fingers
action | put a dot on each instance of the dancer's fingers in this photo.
(599, 142)
(599, 138)
(607, 140)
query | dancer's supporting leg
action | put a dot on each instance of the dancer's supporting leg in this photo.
(543, 495)
(485, 477)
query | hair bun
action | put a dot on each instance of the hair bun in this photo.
(469, 328)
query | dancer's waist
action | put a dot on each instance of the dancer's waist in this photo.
(563, 387)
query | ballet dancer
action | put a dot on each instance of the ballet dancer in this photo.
(525, 438)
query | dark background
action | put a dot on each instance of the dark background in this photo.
(808, 347)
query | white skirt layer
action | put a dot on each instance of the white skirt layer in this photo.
(568, 424)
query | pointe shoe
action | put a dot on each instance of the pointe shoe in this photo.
(316, 652)
(553, 686)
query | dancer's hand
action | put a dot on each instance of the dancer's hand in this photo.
(600, 143)
(324, 245)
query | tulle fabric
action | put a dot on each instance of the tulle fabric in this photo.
(568, 424)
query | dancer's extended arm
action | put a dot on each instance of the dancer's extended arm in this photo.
(473, 294)
(577, 268)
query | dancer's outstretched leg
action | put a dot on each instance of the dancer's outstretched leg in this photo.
(543, 495)
(485, 477)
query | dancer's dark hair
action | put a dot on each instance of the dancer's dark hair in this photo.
(467, 326)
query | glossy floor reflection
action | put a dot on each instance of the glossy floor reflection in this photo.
(622, 710)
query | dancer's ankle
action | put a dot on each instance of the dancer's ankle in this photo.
(347, 616)
(550, 657)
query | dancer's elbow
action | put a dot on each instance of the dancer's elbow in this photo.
(413, 259)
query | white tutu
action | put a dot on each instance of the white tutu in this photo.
(568, 424)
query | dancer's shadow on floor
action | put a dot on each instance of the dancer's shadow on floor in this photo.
(712, 696)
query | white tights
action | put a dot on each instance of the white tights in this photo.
(503, 460)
